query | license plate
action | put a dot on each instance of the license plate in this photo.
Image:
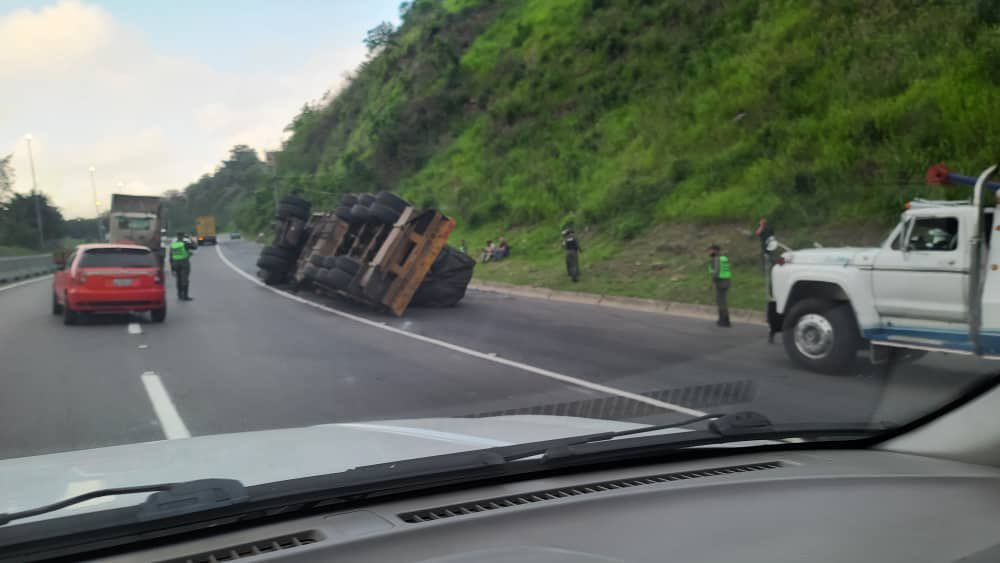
(123, 282)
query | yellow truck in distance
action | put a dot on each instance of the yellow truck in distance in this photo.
(204, 229)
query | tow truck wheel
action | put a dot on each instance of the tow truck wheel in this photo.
(821, 336)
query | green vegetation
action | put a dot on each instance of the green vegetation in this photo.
(18, 216)
(221, 193)
(624, 117)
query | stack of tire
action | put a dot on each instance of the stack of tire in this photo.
(278, 260)
(382, 208)
(446, 281)
(334, 272)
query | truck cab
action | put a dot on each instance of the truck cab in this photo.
(932, 285)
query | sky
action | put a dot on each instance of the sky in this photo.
(154, 93)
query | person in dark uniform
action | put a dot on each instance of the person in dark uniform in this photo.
(573, 251)
(764, 231)
(721, 280)
(180, 265)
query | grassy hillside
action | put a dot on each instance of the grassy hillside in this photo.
(620, 115)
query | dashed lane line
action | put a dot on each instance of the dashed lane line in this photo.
(170, 420)
(134, 328)
(468, 351)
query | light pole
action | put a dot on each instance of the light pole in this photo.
(34, 194)
(97, 205)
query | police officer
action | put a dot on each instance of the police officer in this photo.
(721, 276)
(573, 251)
(180, 265)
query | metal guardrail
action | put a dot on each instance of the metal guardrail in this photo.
(15, 268)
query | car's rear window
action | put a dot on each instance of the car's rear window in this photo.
(118, 258)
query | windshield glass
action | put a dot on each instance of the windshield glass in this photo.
(117, 258)
(445, 225)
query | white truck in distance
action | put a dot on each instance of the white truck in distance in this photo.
(933, 285)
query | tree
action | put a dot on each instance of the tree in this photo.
(379, 36)
(6, 177)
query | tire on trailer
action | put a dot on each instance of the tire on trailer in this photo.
(317, 260)
(282, 253)
(309, 271)
(360, 213)
(348, 265)
(296, 201)
(821, 336)
(273, 263)
(391, 201)
(366, 199)
(347, 200)
(329, 262)
(343, 213)
(286, 210)
(384, 214)
(339, 279)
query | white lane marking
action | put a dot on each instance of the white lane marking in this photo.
(170, 421)
(470, 352)
(134, 328)
(25, 282)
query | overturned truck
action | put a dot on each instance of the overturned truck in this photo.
(373, 248)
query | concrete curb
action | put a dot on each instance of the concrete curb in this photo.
(616, 302)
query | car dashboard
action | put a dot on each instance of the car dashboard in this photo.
(805, 505)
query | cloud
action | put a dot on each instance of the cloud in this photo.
(95, 92)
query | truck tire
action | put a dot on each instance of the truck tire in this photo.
(366, 199)
(329, 262)
(347, 200)
(283, 253)
(286, 210)
(384, 214)
(821, 336)
(273, 263)
(343, 213)
(391, 201)
(317, 260)
(309, 271)
(360, 213)
(339, 279)
(348, 265)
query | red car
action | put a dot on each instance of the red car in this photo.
(109, 278)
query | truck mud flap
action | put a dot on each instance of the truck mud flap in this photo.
(774, 320)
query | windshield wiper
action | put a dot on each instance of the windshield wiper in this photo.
(722, 428)
(169, 499)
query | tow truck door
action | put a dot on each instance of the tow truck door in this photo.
(922, 271)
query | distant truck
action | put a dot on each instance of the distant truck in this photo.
(204, 228)
(137, 219)
(932, 286)
(373, 248)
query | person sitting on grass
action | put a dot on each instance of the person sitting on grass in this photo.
(502, 250)
(487, 253)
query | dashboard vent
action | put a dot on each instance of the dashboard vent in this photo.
(246, 550)
(429, 515)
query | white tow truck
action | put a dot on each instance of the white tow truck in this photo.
(933, 285)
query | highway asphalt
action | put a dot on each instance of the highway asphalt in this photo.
(246, 357)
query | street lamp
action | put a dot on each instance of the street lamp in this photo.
(34, 193)
(97, 204)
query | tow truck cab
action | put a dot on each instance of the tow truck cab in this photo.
(932, 285)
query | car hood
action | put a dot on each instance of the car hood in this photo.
(844, 256)
(267, 456)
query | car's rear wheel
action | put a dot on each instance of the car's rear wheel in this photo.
(159, 315)
(57, 309)
(70, 317)
(821, 336)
